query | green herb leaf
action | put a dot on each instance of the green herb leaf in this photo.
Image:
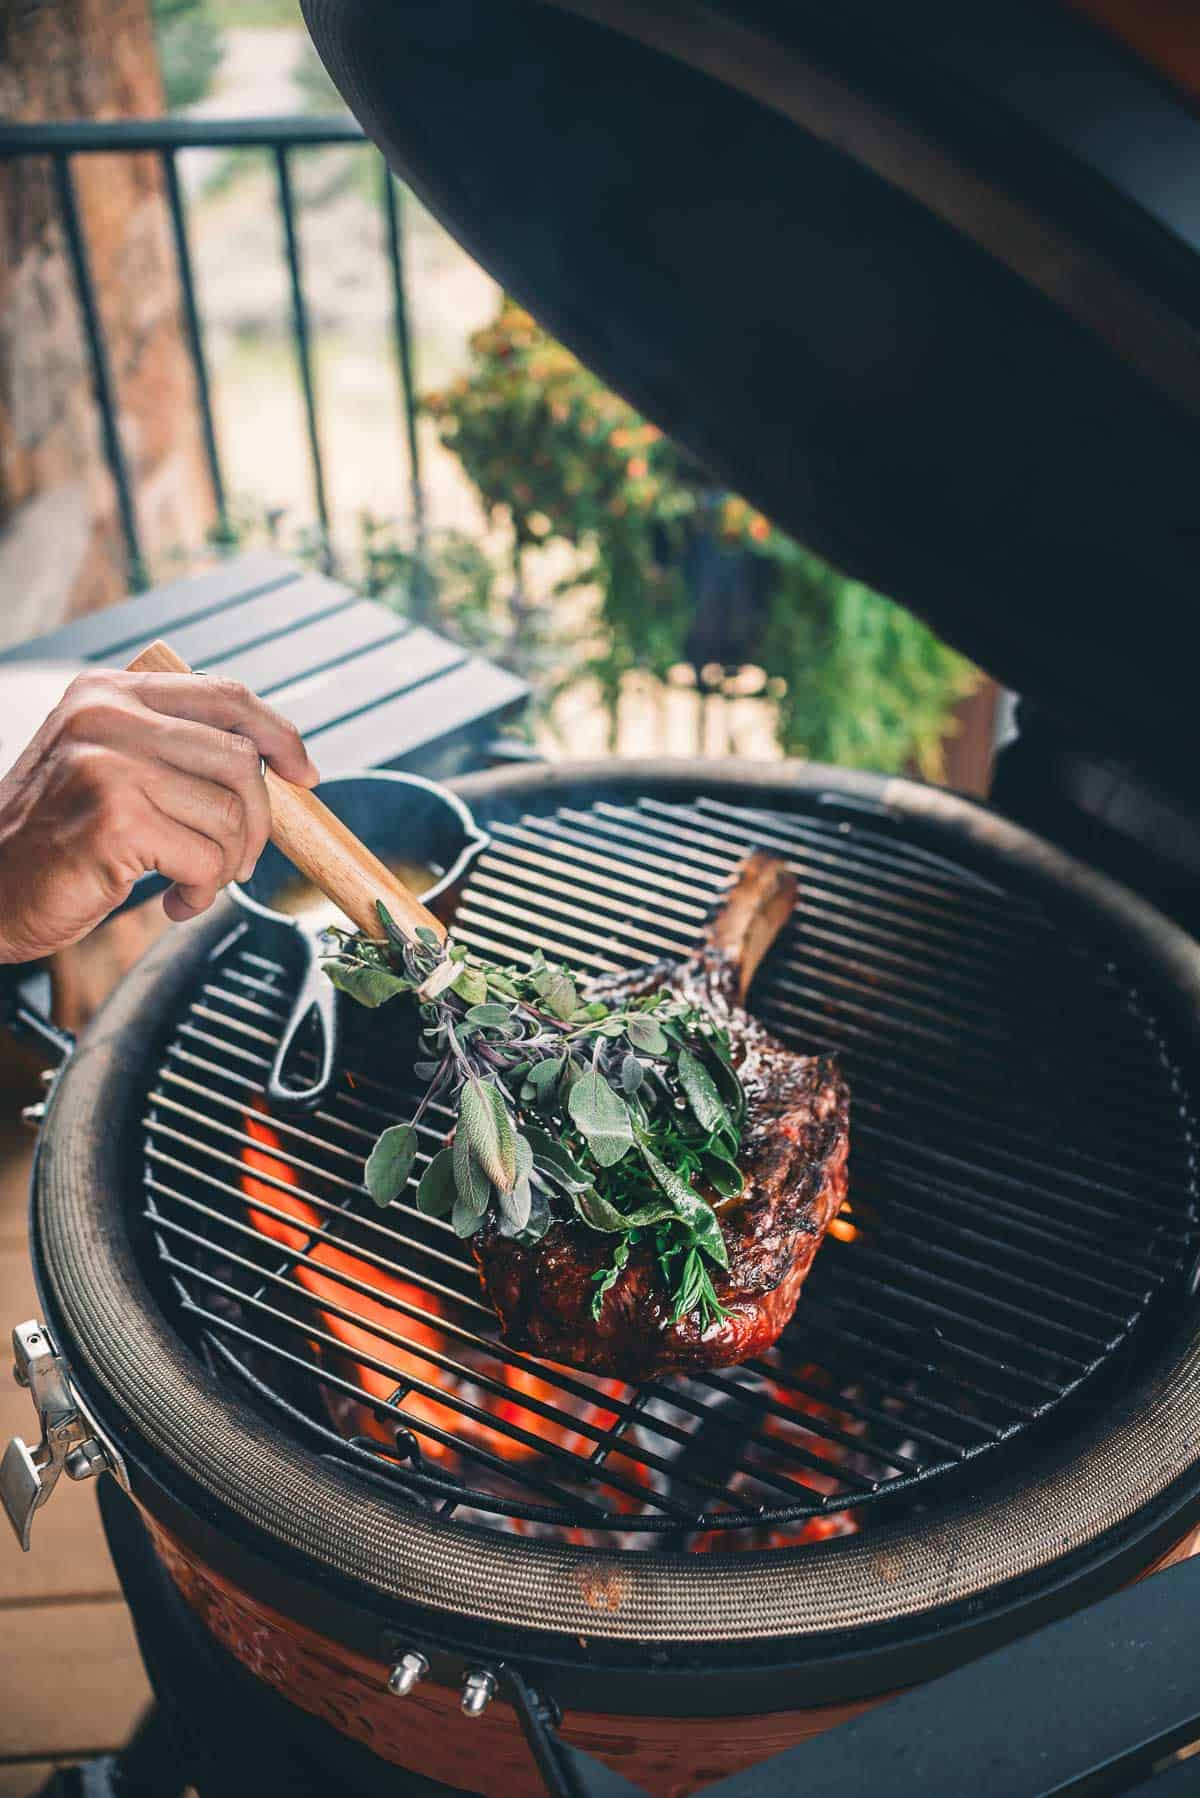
(370, 986)
(391, 929)
(515, 1207)
(543, 1074)
(437, 1190)
(554, 1161)
(472, 1184)
(470, 983)
(539, 1218)
(607, 1277)
(599, 1214)
(464, 1219)
(390, 1163)
(700, 1217)
(723, 1175)
(702, 1094)
(602, 1116)
(632, 1073)
(484, 1116)
(490, 1017)
(425, 935)
(559, 995)
(646, 1034)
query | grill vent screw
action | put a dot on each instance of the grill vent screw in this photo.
(407, 1673)
(479, 1688)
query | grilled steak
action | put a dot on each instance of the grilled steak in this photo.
(793, 1157)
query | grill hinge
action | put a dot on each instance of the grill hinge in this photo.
(72, 1440)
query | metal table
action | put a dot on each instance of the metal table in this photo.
(367, 688)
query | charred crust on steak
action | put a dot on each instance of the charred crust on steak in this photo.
(793, 1155)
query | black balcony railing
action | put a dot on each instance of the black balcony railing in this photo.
(165, 138)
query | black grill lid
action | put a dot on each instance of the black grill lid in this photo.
(923, 283)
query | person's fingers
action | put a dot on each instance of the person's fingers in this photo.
(166, 745)
(189, 859)
(228, 706)
(216, 811)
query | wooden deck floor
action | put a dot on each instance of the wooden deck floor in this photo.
(71, 1682)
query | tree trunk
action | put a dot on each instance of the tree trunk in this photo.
(61, 548)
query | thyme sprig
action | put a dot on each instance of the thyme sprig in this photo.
(627, 1116)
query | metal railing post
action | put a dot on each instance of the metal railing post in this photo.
(102, 381)
(404, 357)
(300, 332)
(193, 328)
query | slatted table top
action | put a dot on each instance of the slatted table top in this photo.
(367, 688)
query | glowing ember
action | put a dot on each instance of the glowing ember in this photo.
(409, 1311)
(394, 1330)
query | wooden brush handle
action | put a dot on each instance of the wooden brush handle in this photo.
(320, 845)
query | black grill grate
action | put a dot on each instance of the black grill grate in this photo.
(1022, 1186)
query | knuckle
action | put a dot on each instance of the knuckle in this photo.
(241, 751)
(93, 768)
(231, 816)
(231, 692)
(88, 709)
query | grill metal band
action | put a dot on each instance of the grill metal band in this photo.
(894, 941)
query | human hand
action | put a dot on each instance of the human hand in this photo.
(134, 774)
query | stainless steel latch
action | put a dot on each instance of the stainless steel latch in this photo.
(72, 1440)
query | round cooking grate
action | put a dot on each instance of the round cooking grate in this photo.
(1022, 1188)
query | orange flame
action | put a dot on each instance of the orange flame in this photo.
(403, 1363)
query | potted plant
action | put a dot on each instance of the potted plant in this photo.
(687, 573)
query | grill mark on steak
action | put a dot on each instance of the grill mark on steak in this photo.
(793, 1156)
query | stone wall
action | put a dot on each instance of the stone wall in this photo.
(61, 549)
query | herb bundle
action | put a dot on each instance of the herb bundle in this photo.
(613, 1114)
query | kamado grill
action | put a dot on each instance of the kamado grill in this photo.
(986, 1413)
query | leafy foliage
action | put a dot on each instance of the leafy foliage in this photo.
(188, 35)
(551, 1121)
(857, 680)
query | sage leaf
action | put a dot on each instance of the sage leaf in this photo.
(437, 1190)
(515, 1207)
(602, 1116)
(464, 1219)
(539, 1219)
(543, 1074)
(559, 995)
(472, 1184)
(551, 1159)
(600, 1214)
(390, 1162)
(470, 983)
(702, 1094)
(632, 1073)
(370, 986)
(484, 1116)
(700, 1217)
(646, 1034)
(723, 1175)
(425, 935)
(489, 1017)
